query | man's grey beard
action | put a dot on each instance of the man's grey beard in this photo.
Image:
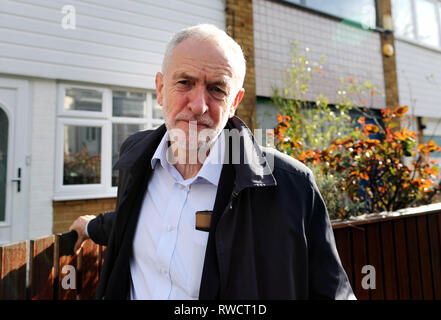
(197, 144)
(194, 143)
(195, 140)
(194, 151)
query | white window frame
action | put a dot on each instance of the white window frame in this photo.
(103, 119)
(107, 100)
(71, 191)
(415, 39)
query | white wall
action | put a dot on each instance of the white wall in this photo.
(414, 64)
(42, 157)
(115, 42)
(349, 51)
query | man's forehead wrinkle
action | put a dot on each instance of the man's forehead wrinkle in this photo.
(208, 65)
(210, 72)
(211, 53)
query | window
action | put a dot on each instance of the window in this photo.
(120, 131)
(83, 99)
(92, 124)
(427, 24)
(82, 154)
(418, 20)
(402, 12)
(129, 104)
(361, 11)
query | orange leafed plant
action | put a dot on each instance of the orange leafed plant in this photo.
(375, 170)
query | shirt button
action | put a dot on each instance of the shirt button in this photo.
(164, 271)
(169, 228)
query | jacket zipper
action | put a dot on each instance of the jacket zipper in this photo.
(219, 245)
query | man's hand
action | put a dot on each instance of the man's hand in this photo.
(79, 225)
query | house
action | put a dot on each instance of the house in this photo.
(353, 36)
(344, 32)
(76, 79)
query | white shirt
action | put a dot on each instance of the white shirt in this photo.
(168, 252)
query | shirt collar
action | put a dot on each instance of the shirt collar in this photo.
(211, 169)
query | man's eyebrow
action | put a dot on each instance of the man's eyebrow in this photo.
(183, 75)
(220, 83)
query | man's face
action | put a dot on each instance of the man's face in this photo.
(199, 86)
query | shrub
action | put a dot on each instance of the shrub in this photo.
(373, 175)
(304, 126)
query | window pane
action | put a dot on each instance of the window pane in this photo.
(362, 11)
(120, 132)
(82, 155)
(157, 109)
(427, 22)
(4, 127)
(402, 16)
(83, 99)
(129, 104)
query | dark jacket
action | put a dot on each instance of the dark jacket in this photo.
(270, 235)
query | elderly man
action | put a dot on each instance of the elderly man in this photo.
(191, 222)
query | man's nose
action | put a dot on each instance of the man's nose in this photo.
(198, 103)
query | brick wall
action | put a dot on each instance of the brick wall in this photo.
(239, 25)
(65, 212)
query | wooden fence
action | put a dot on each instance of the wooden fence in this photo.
(49, 276)
(404, 248)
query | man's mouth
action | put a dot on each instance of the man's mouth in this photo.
(194, 123)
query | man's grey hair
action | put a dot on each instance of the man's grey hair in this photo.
(209, 32)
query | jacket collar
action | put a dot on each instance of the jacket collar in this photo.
(253, 167)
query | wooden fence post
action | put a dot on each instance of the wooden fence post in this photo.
(66, 266)
(13, 260)
(41, 268)
(89, 270)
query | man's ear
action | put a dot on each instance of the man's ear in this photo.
(159, 82)
(236, 102)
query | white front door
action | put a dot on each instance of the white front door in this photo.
(14, 159)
